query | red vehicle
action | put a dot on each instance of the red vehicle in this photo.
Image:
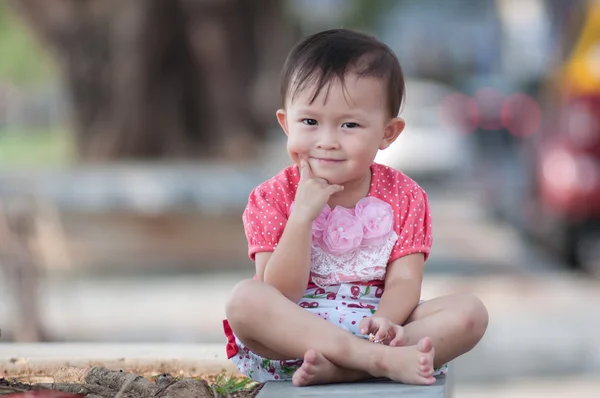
(564, 205)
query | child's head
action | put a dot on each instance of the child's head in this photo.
(341, 92)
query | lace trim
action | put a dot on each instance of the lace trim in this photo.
(362, 265)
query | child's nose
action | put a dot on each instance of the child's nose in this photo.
(328, 140)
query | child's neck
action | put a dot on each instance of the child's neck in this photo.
(353, 192)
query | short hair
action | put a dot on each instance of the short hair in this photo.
(331, 54)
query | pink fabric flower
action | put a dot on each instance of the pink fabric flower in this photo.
(344, 231)
(319, 225)
(377, 218)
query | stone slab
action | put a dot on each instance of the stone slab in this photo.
(366, 389)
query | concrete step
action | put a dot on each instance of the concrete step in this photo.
(366, 389)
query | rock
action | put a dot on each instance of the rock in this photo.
(189, 388)
(71, 374)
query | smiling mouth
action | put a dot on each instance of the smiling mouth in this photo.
(328, 160)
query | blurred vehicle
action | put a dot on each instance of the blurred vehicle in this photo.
(502, 115)
(563, 202)
(429, 146)
(494, 143)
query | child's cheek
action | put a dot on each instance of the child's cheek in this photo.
(295, 148)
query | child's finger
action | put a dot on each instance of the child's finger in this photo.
(382, 333)
(335, 189)
(305, 170)
(399, 337)
(365, 325)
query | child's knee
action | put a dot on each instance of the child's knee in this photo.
(475, 315)
(243, 301)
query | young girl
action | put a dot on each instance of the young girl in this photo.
(340, 242)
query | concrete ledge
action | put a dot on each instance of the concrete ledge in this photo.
(365, 389)
(46, 359)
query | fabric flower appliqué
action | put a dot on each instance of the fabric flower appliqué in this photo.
(344, 231)
(341, 230)
(320, 225)
(377, 218)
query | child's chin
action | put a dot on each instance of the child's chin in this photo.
(331, 178)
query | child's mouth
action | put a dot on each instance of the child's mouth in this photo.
(328, 161)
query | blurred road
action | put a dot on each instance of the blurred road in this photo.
(543, 320)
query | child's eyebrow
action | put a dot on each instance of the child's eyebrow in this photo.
(315, 112)
(308, 111)
(354, 114)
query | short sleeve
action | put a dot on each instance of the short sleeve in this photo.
(412, 224)
(264, 221)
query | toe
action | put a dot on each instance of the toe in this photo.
(430, 380)
(425, 345)
(296, 379)
(309, 369)
(299, 378)
(426, 360)
(425, 380)
(427, 372)
(310, 356)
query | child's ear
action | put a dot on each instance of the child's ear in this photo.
(282, 119)
(392, 131)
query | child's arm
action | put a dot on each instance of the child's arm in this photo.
(402, 288)
(288, 267)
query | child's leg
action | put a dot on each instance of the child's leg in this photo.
(274, 327)
(454, 323)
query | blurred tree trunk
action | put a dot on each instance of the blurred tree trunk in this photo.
(165, 79)
(20, 268)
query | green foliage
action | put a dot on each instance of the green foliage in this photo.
(22, 60)
(228, 384)
(35, 148)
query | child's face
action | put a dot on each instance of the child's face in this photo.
(341, 131)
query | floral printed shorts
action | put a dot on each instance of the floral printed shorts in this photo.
(343, 305)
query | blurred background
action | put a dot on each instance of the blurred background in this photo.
(131, 134)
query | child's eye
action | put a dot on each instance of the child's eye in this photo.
(350, 125)
(309, 122)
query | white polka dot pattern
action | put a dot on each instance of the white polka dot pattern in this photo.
(268, 208)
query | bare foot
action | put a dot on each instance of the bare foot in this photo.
(316, 369)
(412, 364)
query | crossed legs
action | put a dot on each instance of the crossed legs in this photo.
(272, 326)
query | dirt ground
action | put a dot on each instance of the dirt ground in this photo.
(100, 382)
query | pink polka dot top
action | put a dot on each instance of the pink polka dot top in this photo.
(269, 206)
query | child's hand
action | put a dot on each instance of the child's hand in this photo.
(385, 330)
(313, 192)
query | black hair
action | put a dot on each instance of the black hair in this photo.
(331, 54)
